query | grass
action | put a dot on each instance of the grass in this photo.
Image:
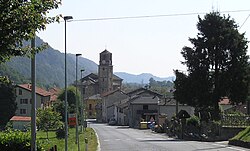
(243, 135)
(89, 133)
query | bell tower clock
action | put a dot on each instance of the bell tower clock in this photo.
(105, 72)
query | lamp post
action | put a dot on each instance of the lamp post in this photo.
(82, 99)
(66, 18)
(77, 105)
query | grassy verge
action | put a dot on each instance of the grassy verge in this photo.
(243, 135)
(89, 133)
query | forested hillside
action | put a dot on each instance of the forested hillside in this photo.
(49, 69)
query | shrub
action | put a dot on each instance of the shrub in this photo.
(193, 120)
(17, 140)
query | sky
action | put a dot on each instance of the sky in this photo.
(138, 45)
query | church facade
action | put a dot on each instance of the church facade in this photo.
(99, 84)
(102, 82)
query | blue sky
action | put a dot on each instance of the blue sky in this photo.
(145, 45)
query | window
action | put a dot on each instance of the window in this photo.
(90, 106)
(145, 107)
(22, 111)
(20, 92)
(23, 101)
(90, 113)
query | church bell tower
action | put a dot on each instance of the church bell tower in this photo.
(105, 72)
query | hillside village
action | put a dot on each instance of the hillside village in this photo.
(46, 106)
(105, 101)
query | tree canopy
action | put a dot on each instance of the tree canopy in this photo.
(217, 64)
(20, 19)
(7, 100)
(71, 98)
(48, 119)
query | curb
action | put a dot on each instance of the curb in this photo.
(98, 146)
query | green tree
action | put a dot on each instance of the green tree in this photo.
(216, 64)
(71, 98)
(48, 119)
(20, 19)
(7, 101)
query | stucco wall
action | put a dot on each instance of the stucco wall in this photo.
(108, 101)
(134, 118)
(170, 110)
(27, 95)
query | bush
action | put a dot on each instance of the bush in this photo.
(60, 133)
(17, 140)
(194, 120)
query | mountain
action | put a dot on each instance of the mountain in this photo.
(49, 67)
(141, 78)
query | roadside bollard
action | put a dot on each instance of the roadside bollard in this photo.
(86, 144)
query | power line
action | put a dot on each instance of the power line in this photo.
(244, 21)
(152, 16)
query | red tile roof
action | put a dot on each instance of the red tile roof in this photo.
(20, 118)
(224, 101)
(39, 91)
(54, 93)
(55, 90)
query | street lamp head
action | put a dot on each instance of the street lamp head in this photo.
(78, 54)
(82, 70)
(67, 18)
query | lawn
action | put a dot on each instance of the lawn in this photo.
(92, 140)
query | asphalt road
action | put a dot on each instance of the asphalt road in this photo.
(120, 138)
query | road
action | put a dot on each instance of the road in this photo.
(120, 138)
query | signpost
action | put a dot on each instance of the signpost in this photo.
(72, 119)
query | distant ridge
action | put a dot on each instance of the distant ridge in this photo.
(50, 67)
(141, 78)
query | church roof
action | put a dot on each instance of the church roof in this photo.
(91, 76)
(105, 51)
(94, 77)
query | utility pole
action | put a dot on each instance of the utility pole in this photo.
(33, 93)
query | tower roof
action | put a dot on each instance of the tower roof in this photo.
(105, 51)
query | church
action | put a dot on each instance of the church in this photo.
(104, 81)
(93, 86)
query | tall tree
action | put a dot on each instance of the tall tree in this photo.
(7, 100)
(20, 19)
(71, 98)
(216, 63)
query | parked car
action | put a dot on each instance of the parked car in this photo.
(112, 121)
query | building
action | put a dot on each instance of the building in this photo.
(170, 108)
(21, 122)
(100, 84)
(24, 99)
(91, 106)
(141, 105)
(108, 104)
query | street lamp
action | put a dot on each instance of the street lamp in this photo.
(77, 136)
(65, 99)
(82, 98)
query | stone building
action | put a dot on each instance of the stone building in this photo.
(99, 83)
(102, 82)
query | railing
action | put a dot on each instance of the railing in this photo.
(235, 121)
